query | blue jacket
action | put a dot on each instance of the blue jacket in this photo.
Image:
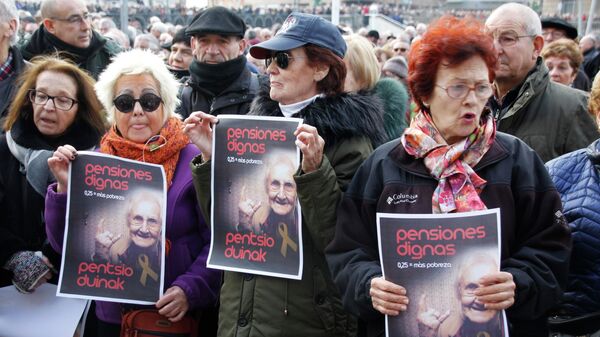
(576, 178)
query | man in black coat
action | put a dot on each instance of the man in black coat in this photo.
(219, 80)
(67, 29)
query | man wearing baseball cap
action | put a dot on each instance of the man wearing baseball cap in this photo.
(220, 82)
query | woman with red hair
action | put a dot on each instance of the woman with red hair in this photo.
(451, 159)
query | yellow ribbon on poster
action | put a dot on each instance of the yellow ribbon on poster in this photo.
(287, 241)
(146, 269)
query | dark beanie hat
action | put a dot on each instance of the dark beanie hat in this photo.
(217, 20)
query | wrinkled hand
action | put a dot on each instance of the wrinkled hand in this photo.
(104, 240)
(496, 291)
(388, 298)
(429, 319)
(173, 304)
(199, 128)
(311, 145)
(59, 165)
(247, 208)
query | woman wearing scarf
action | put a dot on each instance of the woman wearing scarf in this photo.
(54, 105)
(451, 159)
(140, 95)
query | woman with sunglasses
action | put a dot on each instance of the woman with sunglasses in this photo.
(306, 71)
(54, 105)
(449, 160)
(140, 95)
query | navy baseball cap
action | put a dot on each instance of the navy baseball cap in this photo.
(300, 29)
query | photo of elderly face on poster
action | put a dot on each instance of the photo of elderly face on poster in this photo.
(134, 240)
(469, 317)
(276, 213)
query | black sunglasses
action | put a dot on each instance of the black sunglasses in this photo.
(126, 103)
(282, 59)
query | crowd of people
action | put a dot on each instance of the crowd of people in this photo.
(465, 113)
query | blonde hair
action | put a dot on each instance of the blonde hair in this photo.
(362, 60)
(137, 62)
(594, 102)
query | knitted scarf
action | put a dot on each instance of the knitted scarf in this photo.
(164, 150)
(452, 165)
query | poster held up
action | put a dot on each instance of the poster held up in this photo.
(255, 216)
(113, 248)
(438, 259)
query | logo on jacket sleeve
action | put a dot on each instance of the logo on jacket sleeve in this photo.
(401, 198)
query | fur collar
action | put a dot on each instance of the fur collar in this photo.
(335, 117)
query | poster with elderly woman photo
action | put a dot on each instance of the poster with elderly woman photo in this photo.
(256, 217)
(114, 241)
(441, 261)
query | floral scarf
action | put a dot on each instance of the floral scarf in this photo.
(452, 165)
(163, 149)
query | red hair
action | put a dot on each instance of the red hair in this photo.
(333, 83)
(449, 40)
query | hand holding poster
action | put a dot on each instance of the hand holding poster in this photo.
(115, 230)
(439, 260)
(256, 217)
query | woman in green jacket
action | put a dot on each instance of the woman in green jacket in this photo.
(306, 71)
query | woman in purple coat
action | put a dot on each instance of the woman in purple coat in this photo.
(141, 95)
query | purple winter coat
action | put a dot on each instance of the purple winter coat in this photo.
(185, 266)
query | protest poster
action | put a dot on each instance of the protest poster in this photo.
(114, 238)
(438, 259)
(255, 216)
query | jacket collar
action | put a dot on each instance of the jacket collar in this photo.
(335, 117)
(240, 91)
(534, 83)
(415, 166)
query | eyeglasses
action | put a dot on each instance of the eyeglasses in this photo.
(126, 103)
(60, 102)
(400, 49)
(460, 91)
(138, 221)
(74, 19)
(554, 34)
(282, 59)
(507, 40)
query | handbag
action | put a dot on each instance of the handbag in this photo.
(584, 325)
(149, 323)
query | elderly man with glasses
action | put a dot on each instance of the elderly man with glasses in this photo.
(67, 29)
(550, 117)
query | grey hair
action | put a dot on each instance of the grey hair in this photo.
(136, 62)
(8, 11)
(529, 18)
(153, 43)
(161, 27)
